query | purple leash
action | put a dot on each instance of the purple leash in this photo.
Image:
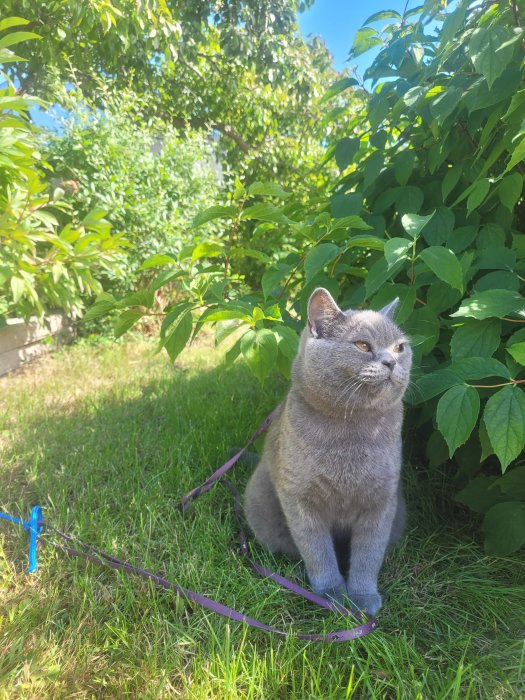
(98, 556)
(340, 636)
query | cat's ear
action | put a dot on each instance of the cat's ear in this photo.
(390, 309)
(322, 312)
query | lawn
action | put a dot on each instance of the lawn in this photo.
(108, 438)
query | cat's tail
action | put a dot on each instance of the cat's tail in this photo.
(249, 459)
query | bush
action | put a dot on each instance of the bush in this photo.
(44, 264)
(428, 207)
(150, 180)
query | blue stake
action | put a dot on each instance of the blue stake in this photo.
(34, 526)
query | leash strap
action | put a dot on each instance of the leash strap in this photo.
(218, 475)
(98, 556)
(206, 486)
(91, 553)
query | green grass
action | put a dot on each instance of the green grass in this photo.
(107, 439)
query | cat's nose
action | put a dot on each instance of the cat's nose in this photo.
(388, 362)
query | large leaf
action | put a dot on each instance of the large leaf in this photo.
(396, 250)
(510, 189)
(126, 320)
(265, 211)
(271, 189)
(414, 224)
(259, 349)
(456, 415)
(207, 249)
(481, 494)
(345, 151)
(444, 264)
(476, 338)
(504, 527)
(272, 276)
(435, 383)
(318, 257)
(488, 53)
(440, 226)
(492, 303)
(180, 333)
(215, 212)
(504, 418)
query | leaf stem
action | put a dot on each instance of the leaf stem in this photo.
(496, 386)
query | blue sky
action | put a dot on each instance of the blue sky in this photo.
(337, 22)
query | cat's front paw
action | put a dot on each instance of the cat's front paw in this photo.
(369, 603)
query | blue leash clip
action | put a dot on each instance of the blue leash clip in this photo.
(34, 526)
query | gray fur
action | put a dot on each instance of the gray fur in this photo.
(332, 458)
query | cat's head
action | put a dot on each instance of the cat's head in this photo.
(353, 358)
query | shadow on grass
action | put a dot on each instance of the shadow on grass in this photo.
(111, 467)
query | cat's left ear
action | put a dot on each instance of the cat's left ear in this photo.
(390, 309)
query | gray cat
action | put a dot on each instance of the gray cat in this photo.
(326, 489)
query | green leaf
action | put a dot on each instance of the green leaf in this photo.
(208, 249)
(504, 527)
(365, 39)
(143, 297)
(215, 212)
(450, 180)
(435, 383)
(9, 22)
(16, 37)
(272, 276)
(474, 368)
(492, 303)
(406, 295)
(414, 224)
(444, 264)
(379, 273)
(404, 165)
(345, 205)
(126, 320)
(445, 103)
(518, 155)
(349, 222)
(476, 338)
(396, 249)
(510, 189)
(504, 417)
(157, 260)
(287, 341)
(517, 350)
(478, 193)
(370, 242)
(409, 200)
(180, 333)
(318, 257)
(337, 87)
(440, 226)
(265, 211)
(270, 189)
(99, 308)
(383, 14)
(481, 493)
(487, 53)
(345, 151)
(456, 415)
(17, 288)
(513, 483)
(259, 349)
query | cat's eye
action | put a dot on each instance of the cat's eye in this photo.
(365, 347)
(398, 347)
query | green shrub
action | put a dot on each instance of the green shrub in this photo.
(48, 259)
(150, 180)
(428, 207)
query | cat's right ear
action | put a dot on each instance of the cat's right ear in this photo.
(322, 312)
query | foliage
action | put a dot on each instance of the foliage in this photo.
(428, 207)
(42, 264)
(149, 180)
(115, 455)
(240, 68)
